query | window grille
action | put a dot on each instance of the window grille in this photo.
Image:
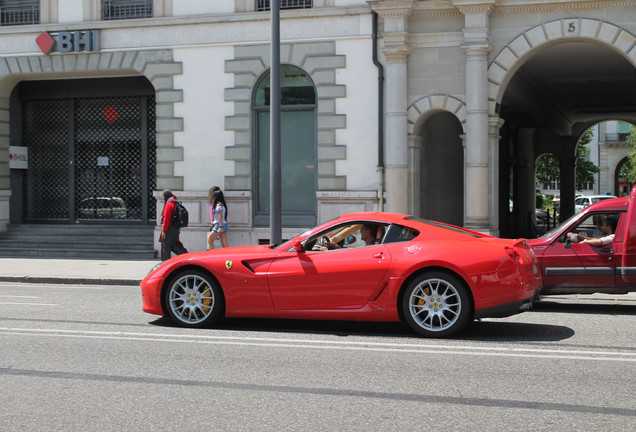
(614, 137)
(19, 12)
(109, 145)
(263, 5)
(128, 9)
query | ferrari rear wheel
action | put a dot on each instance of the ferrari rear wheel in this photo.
(193, 299)
(436, 304)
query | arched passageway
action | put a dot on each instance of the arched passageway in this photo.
(549, 101)
(623, 184)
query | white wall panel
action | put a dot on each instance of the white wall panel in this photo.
(203, 111)
(202, 7)
(70, 11)
(360, 105)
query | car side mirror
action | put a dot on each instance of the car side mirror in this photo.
(298, 246)
(568, 241)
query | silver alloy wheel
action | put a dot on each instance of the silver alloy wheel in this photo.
(435, 304)
(191, 299)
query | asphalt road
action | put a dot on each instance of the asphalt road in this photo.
(86, 358)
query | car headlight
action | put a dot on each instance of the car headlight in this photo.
(154, 268)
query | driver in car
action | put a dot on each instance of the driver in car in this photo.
(369, 233)
(608, 229)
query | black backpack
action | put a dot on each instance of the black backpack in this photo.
(180, 215)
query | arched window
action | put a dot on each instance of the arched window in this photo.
(298, 148)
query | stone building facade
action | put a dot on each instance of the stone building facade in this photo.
(436, 108)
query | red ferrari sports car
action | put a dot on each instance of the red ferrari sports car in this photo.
(360, 266)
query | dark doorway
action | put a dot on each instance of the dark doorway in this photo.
(92, 151)
(622, 184)
(442, 170)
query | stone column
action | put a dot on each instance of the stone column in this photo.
(414, 170)
(494, 126)
(476, 46)
(525, 181)
(567, 165)
(395, 16)
(5, 179)
(396, 151)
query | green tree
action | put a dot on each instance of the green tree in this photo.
(547, 169)
(585, 169)
(548, 164)
(629, 169)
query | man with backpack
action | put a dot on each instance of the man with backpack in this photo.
(170, 228)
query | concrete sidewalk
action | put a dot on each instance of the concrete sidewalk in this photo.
(112, 272)
(74, 271)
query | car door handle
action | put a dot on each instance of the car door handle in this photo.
(378, 255)
(608, 250)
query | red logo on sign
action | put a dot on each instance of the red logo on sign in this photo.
(45, 42)
(110, 114)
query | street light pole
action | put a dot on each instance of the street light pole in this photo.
(275, 200)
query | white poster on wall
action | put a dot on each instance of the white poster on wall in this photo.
(18, 157)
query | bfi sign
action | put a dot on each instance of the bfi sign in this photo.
(76, 41)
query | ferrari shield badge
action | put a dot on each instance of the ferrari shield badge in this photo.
(228, 264)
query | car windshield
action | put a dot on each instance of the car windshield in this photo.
(557, 228)
(285, 241)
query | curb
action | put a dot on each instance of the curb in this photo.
(70, 281)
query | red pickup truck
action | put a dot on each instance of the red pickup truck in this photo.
(571, 267)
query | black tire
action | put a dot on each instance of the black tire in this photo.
(193, 299)
(436, 305)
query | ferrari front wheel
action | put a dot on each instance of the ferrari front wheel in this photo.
(193, 299)
(436, 304)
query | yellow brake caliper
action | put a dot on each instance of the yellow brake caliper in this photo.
(422, 302)
(207, 300)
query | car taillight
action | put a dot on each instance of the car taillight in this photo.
(514, 255)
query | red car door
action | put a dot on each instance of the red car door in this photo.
(342, 278)
(578, 264)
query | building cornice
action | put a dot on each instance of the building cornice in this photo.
(551, 6)
(474, 6)
(455, 8)
(393, 8)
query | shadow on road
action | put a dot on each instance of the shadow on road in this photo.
(337, 328)
(502, 331)
(584, 307)
(491, 331)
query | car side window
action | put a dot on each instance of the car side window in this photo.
(591, 225)
(398, 233)
(348, 236)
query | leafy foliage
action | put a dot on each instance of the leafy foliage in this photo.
(629, 169)
(548, 164)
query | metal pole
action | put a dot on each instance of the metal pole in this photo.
(275, 205)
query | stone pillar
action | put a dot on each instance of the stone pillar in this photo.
(5, 182)
(395, 16)
(396, 151)
(476, 46)
(525, 181)
(494, 126)
(414, 170)
(567, 165)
